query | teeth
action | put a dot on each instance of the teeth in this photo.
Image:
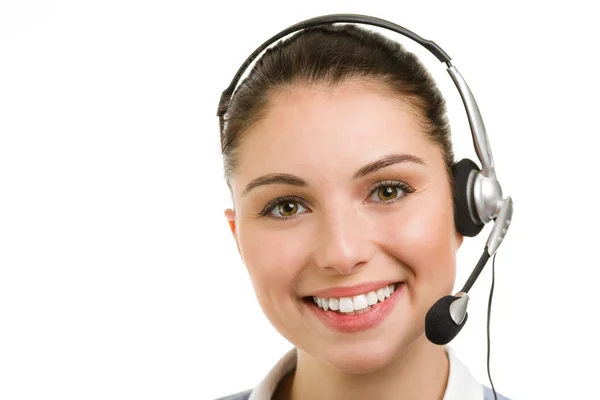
(334, 304)
(360, 303)
(371, 298)
(346, 305)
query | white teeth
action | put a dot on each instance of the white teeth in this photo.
(362, 302)
(371, 298)
(346, 305)
(334, 304)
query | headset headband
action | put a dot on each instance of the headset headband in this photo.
(480, 140)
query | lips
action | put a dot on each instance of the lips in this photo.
(355, 303)
(365, 317)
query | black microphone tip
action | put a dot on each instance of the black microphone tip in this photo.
(440, 328)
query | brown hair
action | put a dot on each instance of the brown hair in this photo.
(331, 55)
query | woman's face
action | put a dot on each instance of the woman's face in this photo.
(338, 193)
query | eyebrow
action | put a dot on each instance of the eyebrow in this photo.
(293, 180)
(271, 179)
(386, 162)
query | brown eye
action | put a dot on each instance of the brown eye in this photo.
(287, 208)
(283, 208)
(387, 193)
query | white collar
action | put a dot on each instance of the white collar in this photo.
(461, 384)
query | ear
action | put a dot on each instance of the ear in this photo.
(230, 216)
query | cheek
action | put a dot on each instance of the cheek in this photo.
(273, 256)
(423, 238)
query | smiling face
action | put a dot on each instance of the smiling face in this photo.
(337, 188)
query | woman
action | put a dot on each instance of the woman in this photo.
(338, 156)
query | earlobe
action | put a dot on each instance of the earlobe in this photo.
(230, 215)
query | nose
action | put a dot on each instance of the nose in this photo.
(342, 242)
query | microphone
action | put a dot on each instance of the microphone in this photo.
(446, 318)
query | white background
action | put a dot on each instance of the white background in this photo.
(119, 278)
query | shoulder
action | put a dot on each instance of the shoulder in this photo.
(488, 394)
(245, 395)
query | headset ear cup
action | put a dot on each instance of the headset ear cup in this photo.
(464, 205)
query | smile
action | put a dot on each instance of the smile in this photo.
(356, 310)
(356, 304)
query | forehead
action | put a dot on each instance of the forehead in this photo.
(324, 130)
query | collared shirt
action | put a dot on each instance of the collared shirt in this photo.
(461, 383)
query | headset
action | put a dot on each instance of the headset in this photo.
(478, 197)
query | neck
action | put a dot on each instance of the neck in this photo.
(419, 373)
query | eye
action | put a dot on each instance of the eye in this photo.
(282, 208)
(389, 191)
(288, 208)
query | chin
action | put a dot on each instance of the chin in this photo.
(363, 357)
